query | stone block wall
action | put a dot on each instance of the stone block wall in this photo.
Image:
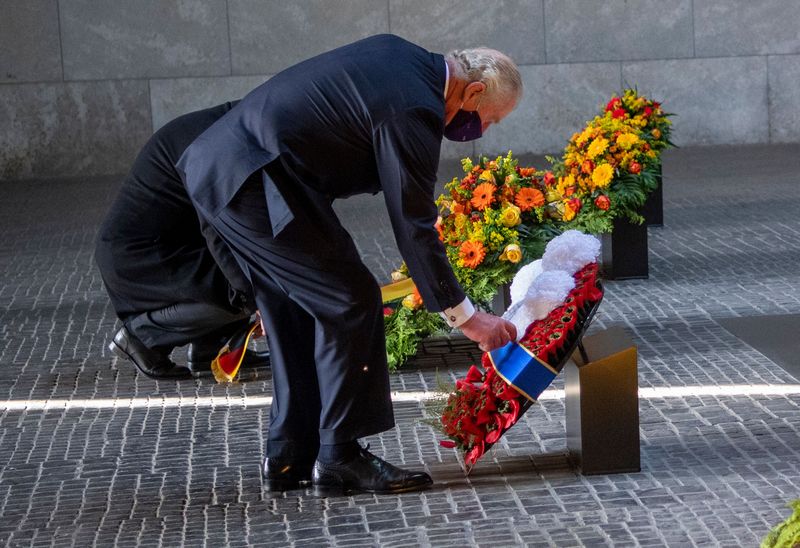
(84, 83)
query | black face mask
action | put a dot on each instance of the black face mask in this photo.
(465, 126)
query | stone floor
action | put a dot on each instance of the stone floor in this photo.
(93, 454)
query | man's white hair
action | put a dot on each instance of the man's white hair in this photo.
(493, 68)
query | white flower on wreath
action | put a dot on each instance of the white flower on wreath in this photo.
(543, 285)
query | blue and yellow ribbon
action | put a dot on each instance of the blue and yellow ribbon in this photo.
(521, 369)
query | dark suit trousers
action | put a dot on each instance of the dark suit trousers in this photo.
(323, 312)
(182, 323)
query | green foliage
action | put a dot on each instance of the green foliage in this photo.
(405, 328)
(593, 221)
(787, 534)
(435, 406)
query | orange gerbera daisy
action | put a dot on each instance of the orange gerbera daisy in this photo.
(483, 195)
(472, 253)
(528, 198)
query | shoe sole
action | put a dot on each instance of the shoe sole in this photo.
(279, 486)
(343, 491)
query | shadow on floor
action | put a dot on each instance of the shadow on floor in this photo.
(777, 337)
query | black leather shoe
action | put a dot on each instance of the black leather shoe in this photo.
(285, 475)
(199, 358)
(151, 363)
(365, 473)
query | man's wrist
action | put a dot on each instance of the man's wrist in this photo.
(457, 315)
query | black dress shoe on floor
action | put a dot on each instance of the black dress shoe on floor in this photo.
(151, 363)
(365, 473)
(285, 475)
(199, 358)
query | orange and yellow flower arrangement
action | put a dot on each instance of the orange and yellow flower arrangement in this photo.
(499, 215)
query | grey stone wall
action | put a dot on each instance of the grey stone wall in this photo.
(83, 83)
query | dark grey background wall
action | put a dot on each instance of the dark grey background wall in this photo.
(83, 83)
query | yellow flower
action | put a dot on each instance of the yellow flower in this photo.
(510, 216)
(569, 213)
(460, 220)
(495, 241)
(487, 176)
(583, 136)
(553, 195)
(412, 301)
(477, 232)
(656, 133)
(627, 140)
(564, 183)
(597, 147)
(602, 175)
(512, 253)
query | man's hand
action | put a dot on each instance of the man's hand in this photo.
(489, 331)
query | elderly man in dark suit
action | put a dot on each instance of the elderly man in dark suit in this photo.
(367, 117)
(168, 284)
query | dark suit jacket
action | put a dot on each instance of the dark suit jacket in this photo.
(150, 249)
(365, 117)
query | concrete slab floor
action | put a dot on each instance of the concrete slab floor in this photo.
(93, 454)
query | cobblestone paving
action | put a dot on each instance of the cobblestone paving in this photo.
(93, 454)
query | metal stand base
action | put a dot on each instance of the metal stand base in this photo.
(602, 405)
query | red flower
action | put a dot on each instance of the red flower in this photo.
(447, 443)
(526, 171)
(575, 204)
(387, 311)
(648, 112)
(508, 393)
(587, 167)
(618, 113)
(510, 418)
(635, 167)
(465, 386)
(557, 338)
(486, 412)
(495, 434)
(470, 427)
(474, 374)
(613, 104)
(602, 202)
(549, 179)
(475, 453)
